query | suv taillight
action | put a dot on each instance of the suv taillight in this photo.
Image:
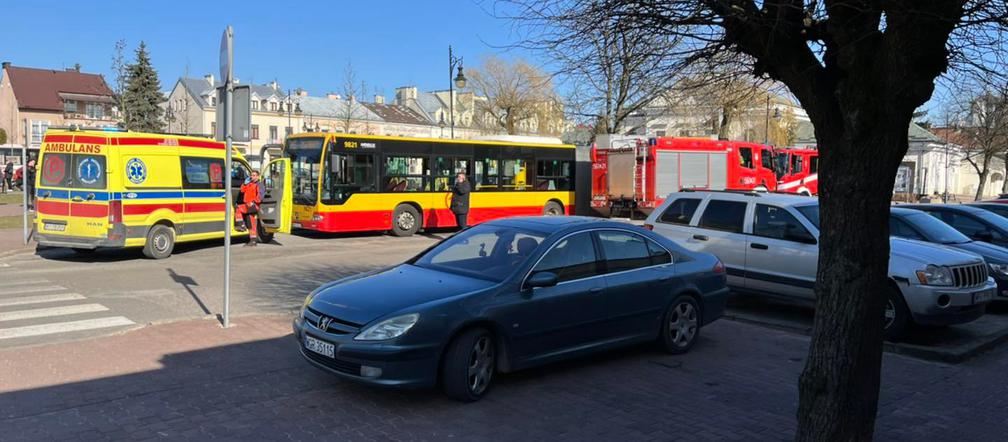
(115, 212)
(718, 267)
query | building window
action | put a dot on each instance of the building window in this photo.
(255, 131)
(255, 105)
(38, 129)
(273, 131)
(213, 101)
(273, 106)
(213, 128)
(95, 110)
(70, 107)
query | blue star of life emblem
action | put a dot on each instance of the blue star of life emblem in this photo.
(136, 171)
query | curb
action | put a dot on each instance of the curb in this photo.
(952, 355)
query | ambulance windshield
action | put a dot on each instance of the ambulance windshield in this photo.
(305, 155)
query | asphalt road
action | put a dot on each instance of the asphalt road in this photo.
(57, 295)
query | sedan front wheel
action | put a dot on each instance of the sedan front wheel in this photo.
(469, 365)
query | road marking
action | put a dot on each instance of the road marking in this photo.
(18, 291)
(40, 299)
(63, 327)
(52, 311)
(26, 282)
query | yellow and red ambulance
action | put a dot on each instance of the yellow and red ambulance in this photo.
(97, 189)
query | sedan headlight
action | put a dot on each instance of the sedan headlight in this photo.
(999, 268)
(389, 328)
(935, 275)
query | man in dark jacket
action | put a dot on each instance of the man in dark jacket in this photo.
(9, 174)
(29, 180)
(460, 200)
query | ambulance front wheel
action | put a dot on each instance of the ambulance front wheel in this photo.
(160, 242)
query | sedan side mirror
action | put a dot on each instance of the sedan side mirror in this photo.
(542, 279)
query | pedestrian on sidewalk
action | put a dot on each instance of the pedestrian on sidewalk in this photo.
(9, 174)
(3, 181)
(29, 179)
(248, 209)
(460, 200)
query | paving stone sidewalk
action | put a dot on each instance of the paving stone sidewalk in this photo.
(193, 380)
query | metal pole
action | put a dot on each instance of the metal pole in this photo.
(24, 180)
(228, 215)
(451, 91)
(766, 130)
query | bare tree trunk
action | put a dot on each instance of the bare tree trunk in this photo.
(839, 386)
(982, 185)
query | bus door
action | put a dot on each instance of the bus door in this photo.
(277, 206)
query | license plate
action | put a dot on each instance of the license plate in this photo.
(319, 346)
(984, 296)
(54, 227)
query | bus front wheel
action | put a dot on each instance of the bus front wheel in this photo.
(405, 220)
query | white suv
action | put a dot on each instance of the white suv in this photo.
(769, 244)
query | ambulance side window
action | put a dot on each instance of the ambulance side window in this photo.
(202, 173)
(238, 173)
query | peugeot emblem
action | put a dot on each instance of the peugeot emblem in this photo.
(323, 323)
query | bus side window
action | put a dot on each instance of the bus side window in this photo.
(486, 175)
(404, 174)
(514, 174)
(553, 175)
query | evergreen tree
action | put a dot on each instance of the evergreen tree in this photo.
(142, 98)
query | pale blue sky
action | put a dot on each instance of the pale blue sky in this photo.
(300, 43)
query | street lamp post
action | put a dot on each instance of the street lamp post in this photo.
(459, 81)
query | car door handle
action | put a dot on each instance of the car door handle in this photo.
(47, 195)
(759, 246)
(700, 237)
(90, 197)
(595, 290)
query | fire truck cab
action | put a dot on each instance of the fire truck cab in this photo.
(634, 174)
(798, 170)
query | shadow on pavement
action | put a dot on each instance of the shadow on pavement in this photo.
(126, 254)
(188, 283)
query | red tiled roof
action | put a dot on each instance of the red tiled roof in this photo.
(396, 114)
(40, 88)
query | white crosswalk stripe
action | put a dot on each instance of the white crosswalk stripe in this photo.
(32, 307)
(63, 327)
(52, 311)
(20, 290)
(25, 300)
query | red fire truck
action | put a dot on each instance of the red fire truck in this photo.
(798, 170)
(634, 174)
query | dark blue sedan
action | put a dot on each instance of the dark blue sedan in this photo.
(507, 295)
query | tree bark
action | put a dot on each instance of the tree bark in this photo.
(982, 185)
(840, 383)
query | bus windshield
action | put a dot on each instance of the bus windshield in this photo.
(305, 155)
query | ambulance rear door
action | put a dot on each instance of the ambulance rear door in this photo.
(277, 202)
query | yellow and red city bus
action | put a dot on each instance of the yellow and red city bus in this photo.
(352, 183)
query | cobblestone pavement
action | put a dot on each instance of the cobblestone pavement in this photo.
(193, 380)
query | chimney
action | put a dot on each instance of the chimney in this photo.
(273, 85)
(301, 92)
(332, 96)
(379, 99)
(6, 64)
(209, 78)
(405, 93)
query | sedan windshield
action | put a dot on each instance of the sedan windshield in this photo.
(934, 230)
(485, 251)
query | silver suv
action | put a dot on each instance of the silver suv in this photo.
(769, 244)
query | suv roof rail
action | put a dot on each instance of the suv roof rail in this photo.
(737, 192)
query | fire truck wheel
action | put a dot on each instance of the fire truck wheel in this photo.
(160, 242)
(552, 209)
(405, 220)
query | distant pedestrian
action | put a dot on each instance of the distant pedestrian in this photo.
(248, 209)
(29, 186)
(460, 200)
(3, 181)
(9, 174)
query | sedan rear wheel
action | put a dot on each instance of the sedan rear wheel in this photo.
(681, 327)
(469, 365)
